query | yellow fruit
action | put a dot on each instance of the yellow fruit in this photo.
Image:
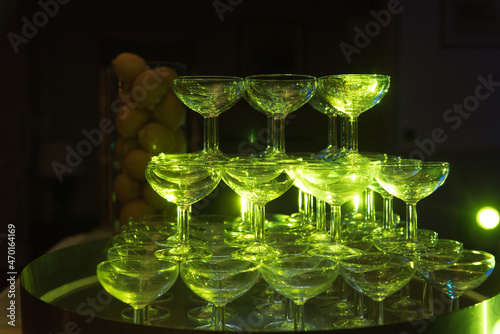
(135, 209)
(148, 88)
(180, 141)
(126, 189)
(167, 73)
(156, 138)
(170, 112)
(135, 163)
(127, 66)
(123, 146)
(152, 198)
(129, 121)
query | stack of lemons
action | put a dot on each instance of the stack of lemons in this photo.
(148, 122)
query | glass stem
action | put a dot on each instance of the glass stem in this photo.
(332, 133)
(454, 304)
(343, 133)
(361, 305)
(259, 216)
(219, 321)
(335, 223)
(307, 206)
(210, 134)
(411, 221)
(300, 201)
(270, 135)
(140, 316)
(321, 216)
(278, 134)
(428, 298)
(352, 135)
(183, 224)
(248, 216)
(380, 312)
(369, 205)
(299, 319)
(388, 213)
(289, 310)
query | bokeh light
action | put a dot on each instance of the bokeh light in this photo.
(487, 217)
(496, 328)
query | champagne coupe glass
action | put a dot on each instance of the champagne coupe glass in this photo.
(138, 251)
(446, 250)
(336, 182)
(377, 275)
(454, 276)
(411, 181)
(279, 308)
(137, 282)
(351, 95)
(183, 180)
(209, 96)
(341, 300)
(395, 242)
(219, 280)
(320, 104)
(279, 95)
(259, 181)
(204, 314)
(299, 277)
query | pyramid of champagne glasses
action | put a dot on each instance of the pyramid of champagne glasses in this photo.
(350, 272)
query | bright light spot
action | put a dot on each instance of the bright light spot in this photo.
(496, 328)
(243, 207)
(355, 201)
(488, 218)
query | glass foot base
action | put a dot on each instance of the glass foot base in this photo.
(181, 253)
(167, 297)
(204, 314)
(227, 328)
(342, 309)
(255, 252)
(155, 313)
(406, 306)
(286, 326)
(274, 310)
(353, 323)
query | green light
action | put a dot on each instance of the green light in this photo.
(496, 328)
(488, 218)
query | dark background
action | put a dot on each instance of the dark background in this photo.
(53, 88)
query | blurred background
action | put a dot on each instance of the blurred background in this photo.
(443, 104)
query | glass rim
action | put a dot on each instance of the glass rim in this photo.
(374, 252)
(337, 164)
(283, 257)
(182, 158)
(352, 75)
(280, 77)
(208, 77)
(218, 259)
(488, 257)
(413, 162)
(108, 264)
(258, 163)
